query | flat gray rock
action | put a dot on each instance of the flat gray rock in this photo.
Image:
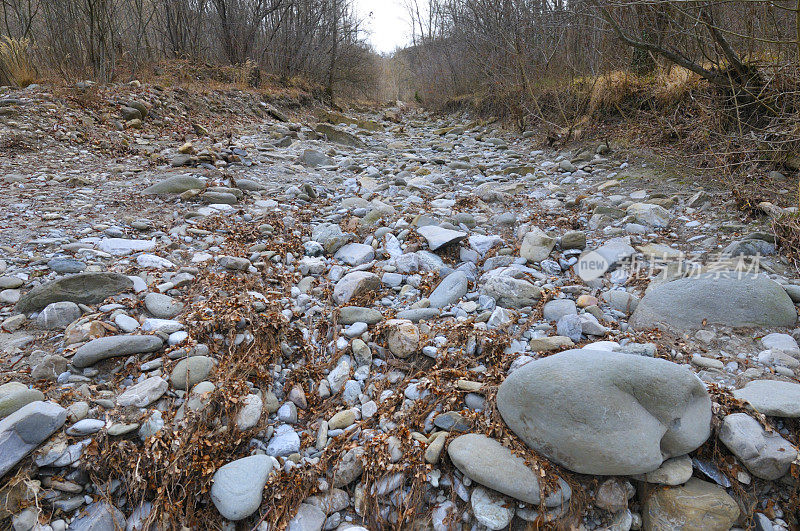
(174, 185)
(109, 347)
(339, 136)
(143, 393)
(772, 397)
(24, 430)
(491, 464)
(99, 516)
(510, 288)
(314, 158)
(308, 518)
(85, 288)
(64, 265)
(416, 315)
(766, 454)
(536, 245)
(355, 254)
(357, 314)
(238, 486)
(725, 299)
(124, 246)
(284, 442)
(330, 236)
(355, 284)
(438, 237)
(557, 308)
(450, 290)
(607, 413)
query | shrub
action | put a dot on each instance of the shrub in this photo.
(16, 65)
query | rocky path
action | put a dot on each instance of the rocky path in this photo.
(426, 324)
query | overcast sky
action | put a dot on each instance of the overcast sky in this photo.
(388, 25)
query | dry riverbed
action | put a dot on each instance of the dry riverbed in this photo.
(249, 320)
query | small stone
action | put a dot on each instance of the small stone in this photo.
(342, 420)
(612, 495)
(536, 246)
(85, 427)
(190, 371)
(234, 263)
(450, 290)
(57, 315)
(284, 442)
(308, 518)
(356, 314)
(250, 414)
(355, 284)
(403, 337)
(97, 517)
(162, 306)
(491, 509)
(675, 471)
(144, 393)
(695, 505)
(491, 464)
(438, 237)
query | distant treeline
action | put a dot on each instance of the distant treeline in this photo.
(557, 61)
(99, 39)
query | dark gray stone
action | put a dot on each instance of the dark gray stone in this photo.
(84, 288)
(109, 347)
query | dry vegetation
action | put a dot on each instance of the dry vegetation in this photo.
(714, 81)
(118, 40)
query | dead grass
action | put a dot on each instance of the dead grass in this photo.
(202, 76)
(786, 229)
(612, 89)
(16, 64)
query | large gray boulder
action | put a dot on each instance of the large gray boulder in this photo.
(108, 347)
(491, 464)
(238, 486)
(84, 288)
(25, 429)
(606, 413)
(726, 299)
